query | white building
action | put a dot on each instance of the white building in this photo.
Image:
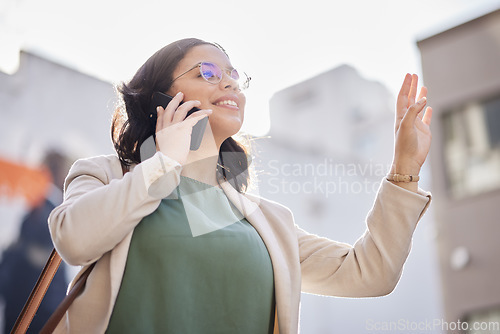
(47, 105)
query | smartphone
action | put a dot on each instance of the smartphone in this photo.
(161, 99)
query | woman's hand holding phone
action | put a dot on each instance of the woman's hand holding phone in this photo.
(173, 128)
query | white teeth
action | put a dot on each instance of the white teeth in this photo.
(227, 102)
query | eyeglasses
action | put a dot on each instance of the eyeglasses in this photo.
(213, 74)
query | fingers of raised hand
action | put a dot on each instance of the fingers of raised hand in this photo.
(427, 116)
(413, 90)
(408, 92)
(423, 93)
(407, 97)
(414, 110)
(402, 102)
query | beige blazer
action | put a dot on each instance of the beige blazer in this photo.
(102, 207)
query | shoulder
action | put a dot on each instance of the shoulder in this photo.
(269, 206)
(103, 167)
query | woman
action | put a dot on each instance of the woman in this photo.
(181, 248)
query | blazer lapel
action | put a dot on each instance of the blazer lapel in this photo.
(283, 285)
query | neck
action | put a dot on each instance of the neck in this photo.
(201, 164)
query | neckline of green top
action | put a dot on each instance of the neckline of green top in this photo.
(218, 187)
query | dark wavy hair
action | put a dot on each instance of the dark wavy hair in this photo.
(131, 124)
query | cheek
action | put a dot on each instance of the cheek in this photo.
(191, 92)
(172, 90)
(242, 113)
(243, 103)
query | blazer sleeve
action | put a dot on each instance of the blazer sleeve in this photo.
(373, 265)
(101, 207)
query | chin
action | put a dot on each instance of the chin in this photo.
(224, 128)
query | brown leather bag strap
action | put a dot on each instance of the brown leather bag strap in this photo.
(34, 300)
(37, 294)
(58, 314)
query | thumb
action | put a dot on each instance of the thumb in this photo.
(414, 110)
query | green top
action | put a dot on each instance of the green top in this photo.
(195, 265)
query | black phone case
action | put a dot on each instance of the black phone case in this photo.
(161, 99)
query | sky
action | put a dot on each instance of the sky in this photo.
(278, 43)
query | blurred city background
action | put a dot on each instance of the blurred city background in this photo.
(320, 111)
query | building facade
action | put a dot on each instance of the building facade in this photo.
(45, 105)
(461, 67)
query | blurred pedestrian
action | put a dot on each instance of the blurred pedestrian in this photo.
(24, 260)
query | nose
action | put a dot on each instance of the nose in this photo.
(228, 82)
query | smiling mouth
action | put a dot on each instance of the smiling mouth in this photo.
(227, 103)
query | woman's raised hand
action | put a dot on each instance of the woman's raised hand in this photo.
(412, 126)
(173, 129)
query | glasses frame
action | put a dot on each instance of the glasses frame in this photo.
(244, 85)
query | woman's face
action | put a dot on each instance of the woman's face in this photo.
(226, 118)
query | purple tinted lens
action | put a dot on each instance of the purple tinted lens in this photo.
(235, 75)
(211, 72)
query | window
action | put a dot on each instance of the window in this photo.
(484, 322)
(472, 148)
